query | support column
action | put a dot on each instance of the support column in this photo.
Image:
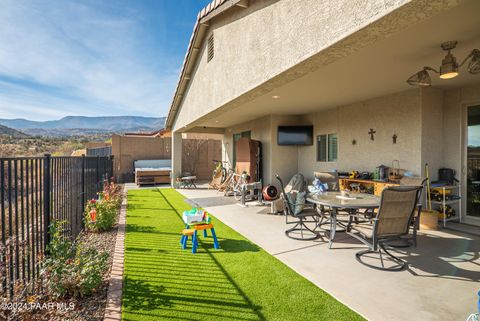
(227, 143)
(176, 157)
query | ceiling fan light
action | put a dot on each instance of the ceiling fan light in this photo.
(449, 75)
(474, 65)
(421, 79)
(449, 67)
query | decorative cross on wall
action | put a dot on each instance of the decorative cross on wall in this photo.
(371, 132)
(394, 138)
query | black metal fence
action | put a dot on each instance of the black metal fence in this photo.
(33, 191)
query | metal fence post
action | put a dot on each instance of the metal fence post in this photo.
(82, 181)
(97, 183)
(46, 199)
(110, 167)
(3, 188)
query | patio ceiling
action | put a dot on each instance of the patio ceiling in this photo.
(373, 71)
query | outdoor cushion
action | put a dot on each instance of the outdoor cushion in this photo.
(329, 178)
(297, 201)
(318, 187)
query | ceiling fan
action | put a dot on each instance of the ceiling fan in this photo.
(448, 68)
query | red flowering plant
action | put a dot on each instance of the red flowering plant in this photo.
(100, 215)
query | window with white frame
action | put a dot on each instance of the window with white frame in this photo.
(327, 148)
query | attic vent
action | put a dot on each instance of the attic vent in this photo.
(210, 48)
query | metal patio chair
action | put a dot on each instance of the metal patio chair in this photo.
(417, 181)
(397, 207)
(329, 178)
(299, 220)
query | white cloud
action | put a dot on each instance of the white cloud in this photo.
(72, 57)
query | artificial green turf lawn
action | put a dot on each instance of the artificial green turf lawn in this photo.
(240, 281)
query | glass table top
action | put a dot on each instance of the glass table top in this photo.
(353, 200)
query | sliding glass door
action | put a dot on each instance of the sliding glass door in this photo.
(473, 162)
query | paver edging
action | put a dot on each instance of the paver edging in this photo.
(113, 309)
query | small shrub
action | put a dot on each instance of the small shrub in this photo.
(71, 269)
(100, 215)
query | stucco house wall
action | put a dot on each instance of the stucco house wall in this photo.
(456, 102)
(127, 149)
(397, 113)
(428, 122)
(432, 104)
(260, 130)
(454, 135)
(243, 45)
(281, 160)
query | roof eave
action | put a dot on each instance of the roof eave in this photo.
(202, 24)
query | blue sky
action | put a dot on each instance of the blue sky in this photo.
(91, 57)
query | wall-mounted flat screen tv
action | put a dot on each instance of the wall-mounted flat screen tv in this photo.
(295, 135)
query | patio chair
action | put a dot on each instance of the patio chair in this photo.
(397, 207)
(415, 225)
(307, 214)
(225, 186)
(216, 181)
(329, 178)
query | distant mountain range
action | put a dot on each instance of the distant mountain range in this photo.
(75, 125)
(7, 131)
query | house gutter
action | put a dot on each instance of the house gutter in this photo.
(215, 8)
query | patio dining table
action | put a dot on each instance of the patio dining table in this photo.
(336, 201)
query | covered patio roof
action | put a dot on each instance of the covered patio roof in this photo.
(375, 70)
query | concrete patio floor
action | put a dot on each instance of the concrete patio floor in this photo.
(441, 283)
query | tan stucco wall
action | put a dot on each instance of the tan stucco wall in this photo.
(127, 149)
(272, 43)
(399, 113)
(253, 51)
(281, 160)
(260, 130)
(393, 114)
(456, 102)
(432, 131)
(284, 158)
(202, 136)
(429, 123)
